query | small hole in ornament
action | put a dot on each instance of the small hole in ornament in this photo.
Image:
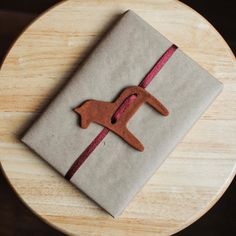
(113, 120)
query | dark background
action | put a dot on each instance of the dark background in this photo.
(15, 217)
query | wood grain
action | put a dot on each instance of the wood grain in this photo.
(194, 176)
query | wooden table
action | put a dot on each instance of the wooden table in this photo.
(192, 179)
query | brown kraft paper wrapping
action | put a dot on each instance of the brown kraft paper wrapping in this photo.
(115, 172)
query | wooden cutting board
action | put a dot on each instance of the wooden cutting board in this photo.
(192, 179)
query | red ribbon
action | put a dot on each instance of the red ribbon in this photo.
(98, 139)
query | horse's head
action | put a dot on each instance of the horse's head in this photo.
(84, 111)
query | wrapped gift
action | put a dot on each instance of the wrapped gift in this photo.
(122, 113)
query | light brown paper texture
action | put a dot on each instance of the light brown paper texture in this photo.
(115, 172)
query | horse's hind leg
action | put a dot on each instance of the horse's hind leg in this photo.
(157, 105)
(131, 139)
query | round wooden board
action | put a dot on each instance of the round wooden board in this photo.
(194, 176)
